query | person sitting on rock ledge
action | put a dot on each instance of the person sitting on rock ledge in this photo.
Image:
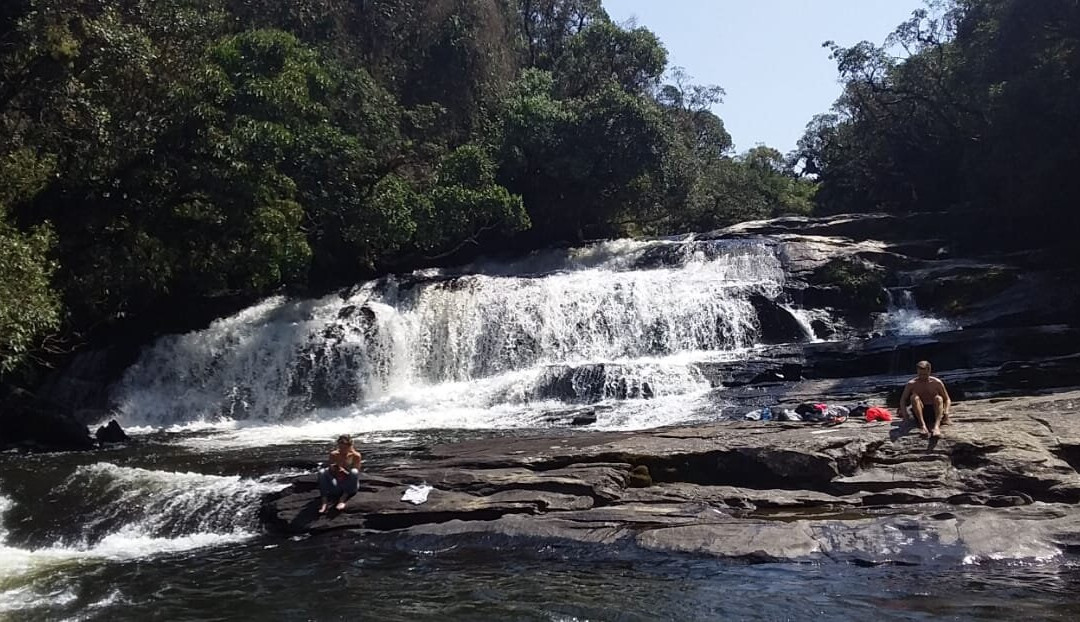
(341, 479)
(925, 395)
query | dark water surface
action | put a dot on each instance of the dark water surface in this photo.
(342, 577)
(167, 528)
(158, 490)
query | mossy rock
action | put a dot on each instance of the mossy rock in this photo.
(640, 477)
(955, 294)
(860, 284)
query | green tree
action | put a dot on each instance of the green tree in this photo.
(466, 203)
(547, 26)
(971, 104)
(689, 106)
(30, 308)
(584, 166)
(602, 54)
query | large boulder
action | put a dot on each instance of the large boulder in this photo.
(82, 385)
(954, 350)
(111, 433)
(777, 324)
(29, 423)
(589, 383)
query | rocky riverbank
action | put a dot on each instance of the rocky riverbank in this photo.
(1014, 318)
(1003, 482)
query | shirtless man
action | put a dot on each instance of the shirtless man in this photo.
(341, 479)
(925, 392)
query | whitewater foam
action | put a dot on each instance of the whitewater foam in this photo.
(140, 513)
(904, 317)
(609, 255)
(617, 323)
(467, 351)
(664, 391)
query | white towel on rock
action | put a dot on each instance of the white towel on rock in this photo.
(416, 494)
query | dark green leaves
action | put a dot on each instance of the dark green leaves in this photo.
(29, 306)
(974, 104)
(169, 153)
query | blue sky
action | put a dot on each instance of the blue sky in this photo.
(766, 54)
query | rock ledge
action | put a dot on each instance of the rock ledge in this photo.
(1002, 483)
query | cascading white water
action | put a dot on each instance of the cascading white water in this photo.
(806, 319)
(132, 513)
(466, 348)
(903, 317)
(152, 504)
(136, 512)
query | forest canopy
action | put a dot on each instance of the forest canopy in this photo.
(969, 105)
(172, 154)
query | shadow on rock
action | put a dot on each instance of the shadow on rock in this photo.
(308, 514)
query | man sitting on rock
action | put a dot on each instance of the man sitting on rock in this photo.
(925, 395)
(341, 479)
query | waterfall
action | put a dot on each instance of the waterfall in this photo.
(903, 317)
(806, 319)
(465, 347)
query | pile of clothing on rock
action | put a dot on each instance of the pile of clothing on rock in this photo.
(831, 414)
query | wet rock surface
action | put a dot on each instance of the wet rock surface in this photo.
(34, 424)
(921, 252)
(111, 433)
(1010, 320)
(1002, 482)
(1015, 317)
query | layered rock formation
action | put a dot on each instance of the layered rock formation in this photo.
(1018, 314)
(1002, 483)
(1015, 316)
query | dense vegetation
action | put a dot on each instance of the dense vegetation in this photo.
(171, 154)
(160, 154)
(971, 105)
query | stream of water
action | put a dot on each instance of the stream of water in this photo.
(166, 528)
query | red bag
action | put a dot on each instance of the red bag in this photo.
(876, 413)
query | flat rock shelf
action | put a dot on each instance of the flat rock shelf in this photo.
(1002, 482)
